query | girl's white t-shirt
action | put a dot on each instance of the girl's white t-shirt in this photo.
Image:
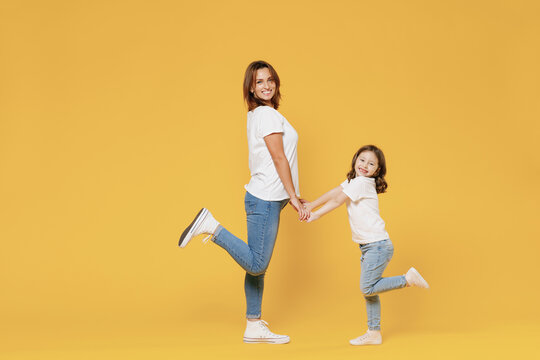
(367, 226)
(265, 182)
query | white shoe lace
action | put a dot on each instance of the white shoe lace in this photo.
(362, 338)
(264, 326)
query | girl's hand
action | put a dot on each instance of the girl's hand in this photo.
(307, 205)
(313, 216)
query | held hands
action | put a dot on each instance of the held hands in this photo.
(304, 209)
(309, 208)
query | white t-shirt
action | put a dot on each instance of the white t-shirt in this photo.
(367, 226)
(265, 182)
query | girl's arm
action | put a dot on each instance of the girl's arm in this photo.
(323, 198)
(274, 143)
(336, 198)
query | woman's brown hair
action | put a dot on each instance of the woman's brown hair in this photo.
(249, 82)
(380, 183)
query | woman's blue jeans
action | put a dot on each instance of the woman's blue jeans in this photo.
(254, 257)
(375, 258)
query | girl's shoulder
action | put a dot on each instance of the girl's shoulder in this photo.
(363, 180)
(362, 184)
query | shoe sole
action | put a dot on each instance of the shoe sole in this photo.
(419, 279)
(368, 343)
(266, 341)
(188, 233)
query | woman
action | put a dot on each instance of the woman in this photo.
(272, 143)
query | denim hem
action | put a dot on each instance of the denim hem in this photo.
(375, 328)
(216, 233)
(248, 316)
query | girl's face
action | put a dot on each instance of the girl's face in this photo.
(367, 164)
(265, 86)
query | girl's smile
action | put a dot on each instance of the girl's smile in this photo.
(367, 164)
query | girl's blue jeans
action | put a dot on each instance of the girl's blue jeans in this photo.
(375, 258)
(254, 257)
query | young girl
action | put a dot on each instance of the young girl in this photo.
(359, 191)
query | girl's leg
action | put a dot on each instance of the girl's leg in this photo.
(375, 258)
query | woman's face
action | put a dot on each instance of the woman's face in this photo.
(265, 86)
(367, 164)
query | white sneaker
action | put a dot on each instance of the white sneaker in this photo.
(258, 332)
(204, 223)
(371, 337)
(414, 278)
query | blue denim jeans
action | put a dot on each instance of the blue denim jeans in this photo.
(375, 258)
(254, 257)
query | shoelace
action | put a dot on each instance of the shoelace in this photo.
(264, 325)
(362, 338)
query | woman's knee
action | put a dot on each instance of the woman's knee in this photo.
(257, 269)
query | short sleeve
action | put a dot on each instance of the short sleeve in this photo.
(356, 189)
(269, 121)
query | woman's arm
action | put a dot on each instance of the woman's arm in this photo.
(336, 199)
(274, 143)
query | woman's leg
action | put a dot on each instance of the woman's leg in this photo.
(263, 220)
(254, 257)
(375, 258)
(263, 225)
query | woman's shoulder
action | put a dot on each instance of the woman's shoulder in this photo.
(264, 110)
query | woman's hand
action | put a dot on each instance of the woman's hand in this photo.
(303, 214)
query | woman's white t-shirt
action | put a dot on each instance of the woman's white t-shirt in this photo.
(265, 182)
(367, 226)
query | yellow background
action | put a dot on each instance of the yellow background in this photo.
(120, 119)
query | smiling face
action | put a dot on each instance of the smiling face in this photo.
(367, 164)
(264, 87)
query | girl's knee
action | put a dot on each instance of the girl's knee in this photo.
(367, 291)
